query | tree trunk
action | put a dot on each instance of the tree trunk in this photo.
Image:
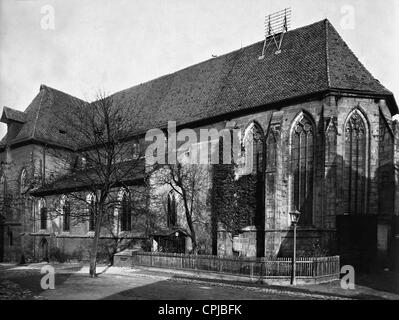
(190, 223)
(194, 249)
(94, 248)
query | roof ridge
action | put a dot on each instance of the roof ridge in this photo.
(44, 87)
(327, 23)
(212, 59)
(42, 90)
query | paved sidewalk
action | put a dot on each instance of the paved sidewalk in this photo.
(136, 284)
(72, 282)
(384, 285)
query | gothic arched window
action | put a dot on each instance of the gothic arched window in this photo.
(43, 214)
(3, 187)
(254, 148)
(270, 176)
(4, 197)
(302, 166)
(126, 218)
(23, 181)
(172, 212)
(355, 163)
(66, 211)
(92, 211)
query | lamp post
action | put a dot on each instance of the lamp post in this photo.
(294, 220)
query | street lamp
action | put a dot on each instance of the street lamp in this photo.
(294, 220)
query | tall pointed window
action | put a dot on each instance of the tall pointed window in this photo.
(355, 163)
(92, 211)
(171, 210)
(126, 218)
(23, 182)
(270, 177)
(254, 142)
(302, 166)
(43, 214)
(3, 190)
(66, 210)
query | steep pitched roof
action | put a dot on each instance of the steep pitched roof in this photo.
(345, 71)
(13, 115)
(43, 117)
(313, 59)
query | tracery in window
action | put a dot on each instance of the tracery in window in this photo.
(126, 214)
(92, 211)
(355, 158)
(254, 144)
(302, 166)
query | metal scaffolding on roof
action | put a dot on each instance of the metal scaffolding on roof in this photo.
(276, 25)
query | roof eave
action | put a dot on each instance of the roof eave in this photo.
(388, 96)
(26, 141)
(69, 189)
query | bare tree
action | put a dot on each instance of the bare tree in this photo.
(189, 182)
(102, 159)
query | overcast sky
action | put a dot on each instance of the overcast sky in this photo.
(113, 45)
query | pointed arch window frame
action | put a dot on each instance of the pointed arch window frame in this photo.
(91, 211)
(258, 216)
(249, 132)
(291, 196)
(22, 181)
(65, 204)
(366, 123)
(171, 210)
(43, 214)
(3, 184)
(124, 222)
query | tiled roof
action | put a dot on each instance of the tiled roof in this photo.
(313, 59)
(12, 114)
(44, 117)
(129, 172)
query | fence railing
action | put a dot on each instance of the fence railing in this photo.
(306, 267)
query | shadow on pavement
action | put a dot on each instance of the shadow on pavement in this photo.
(175, 290)
(383, 281)
(30, 278)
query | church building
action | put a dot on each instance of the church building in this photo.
(325, 143)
